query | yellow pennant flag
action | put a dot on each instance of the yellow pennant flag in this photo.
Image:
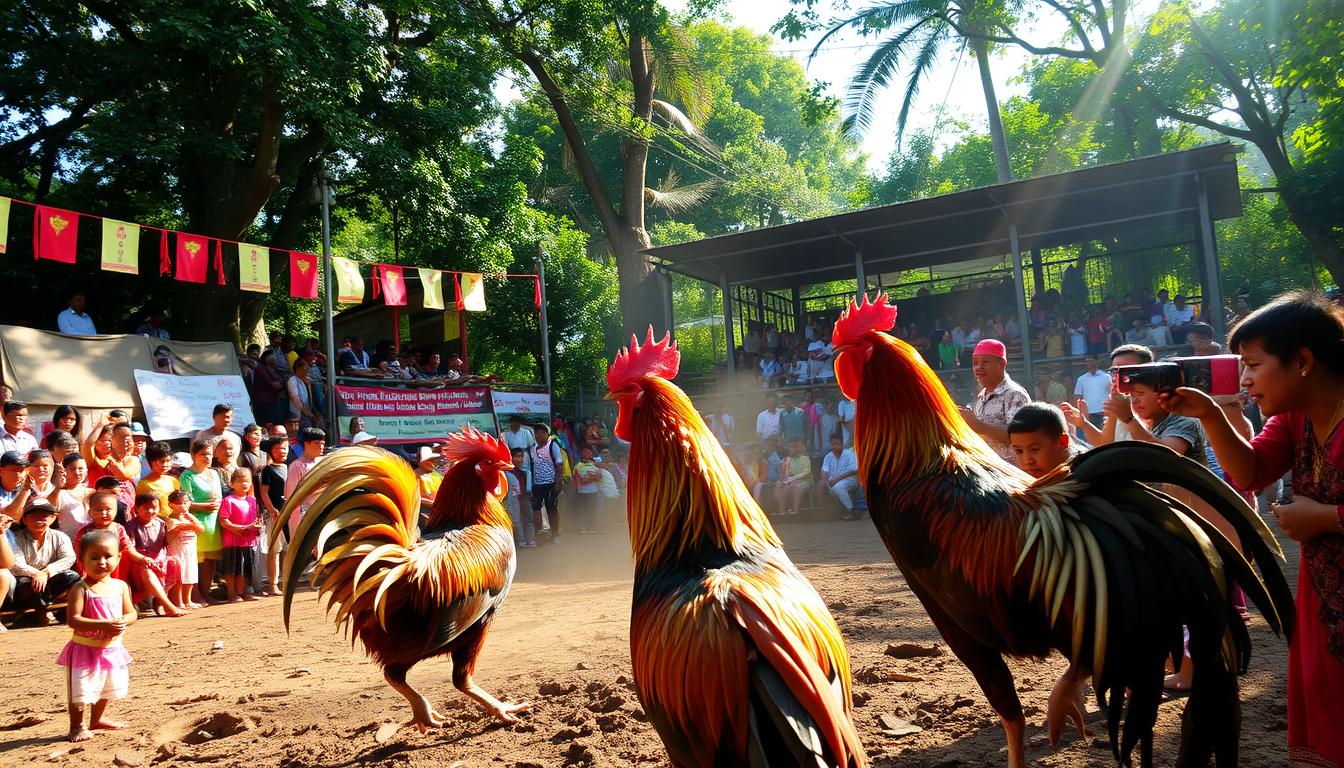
(121, 247)
(4, 223)
(254, 268)
(473, 292)
(432, 280)
(349, 284)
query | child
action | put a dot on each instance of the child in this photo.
(182, 529)
(238, 518)
(795, 476)
(511, 497)
(609, 492)
(203, 488)
(1039, 438)
(225, 461)
(133, 564)
(587, 478)
(521, 478)
(312, 442)
(272, 497)
(99, 611)
(158, 456)
(158, 575)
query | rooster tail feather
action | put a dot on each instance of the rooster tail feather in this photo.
(1212, 719)
(362, 507)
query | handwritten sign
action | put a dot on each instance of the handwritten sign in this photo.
(532, 406)
(181, 406)
(417, 415)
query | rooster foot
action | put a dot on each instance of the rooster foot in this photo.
(429, 718)
(1066, 702)
(504, 710)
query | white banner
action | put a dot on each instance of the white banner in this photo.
(530, 405)
(181, 406)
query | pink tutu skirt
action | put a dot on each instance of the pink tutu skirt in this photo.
(87, 657)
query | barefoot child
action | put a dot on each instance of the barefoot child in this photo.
(272, 497)
(241, 526)
(99, 611)
(159, 574)
(133, 564)
(182, 529)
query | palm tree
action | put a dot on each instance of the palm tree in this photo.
(921, 30)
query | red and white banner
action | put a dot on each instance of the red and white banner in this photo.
(397, 415)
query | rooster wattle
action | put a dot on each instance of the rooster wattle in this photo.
(1089, 560)
(409, 595)
(736, 659)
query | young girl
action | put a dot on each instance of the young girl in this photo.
(205, 491)
(272, 495)
(182, 529)
(238, 518)
(99, 611)
(225, 461)
(73, 498)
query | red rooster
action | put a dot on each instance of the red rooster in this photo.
(409, 596)
(1088, 561)
(736, 659)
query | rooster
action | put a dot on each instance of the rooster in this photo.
(1089, 560)
(409, 596)
(736, 659)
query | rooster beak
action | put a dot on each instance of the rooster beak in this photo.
(612, 396)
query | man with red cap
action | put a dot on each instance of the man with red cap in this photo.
(999, 396)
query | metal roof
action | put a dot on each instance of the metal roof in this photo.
(1150, 193)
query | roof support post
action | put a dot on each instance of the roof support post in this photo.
(728, 324)
(1020, 291)
(1212, 289)
(666, 278)
(797, 312)
(860, 276)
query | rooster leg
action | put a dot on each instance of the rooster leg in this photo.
(1067, 702)
(425, 716)
(464, 664)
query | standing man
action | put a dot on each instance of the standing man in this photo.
(223, 415)
(73, 321)
(1093, 386)
(845, 410)
(547, 462)
(767, 421)
(999, 398)
(517, 438)
(15, 436)
(793, 422)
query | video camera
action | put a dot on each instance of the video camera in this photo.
(1216, 375)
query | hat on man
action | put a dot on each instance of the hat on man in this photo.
(138, 430)
(363, 437)
(13, 459)
(991, 348)
(426, 453)
(40, 507)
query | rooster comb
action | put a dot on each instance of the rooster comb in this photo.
(659, 359)
(472, 444)
(861, 318)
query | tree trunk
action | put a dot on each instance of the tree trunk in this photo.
(1318, 234)
(1002, 166)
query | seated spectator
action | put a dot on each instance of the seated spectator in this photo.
(15, 436)
(279, 360)
(771, 371)
(1048, 389)
(287, 349)
(1200, 336)
(360, 436)
(839, 475)
(67, 418)
(354, 361)
(223, 416)
(43, 562)
(766, 472)
(1138, 332)
(154, 576)
(1039, 438)
(41, 476)
(73, 321)
(429, 368)
(1178, 316)
(16, 491)
(457, 368)
(795, 477)
(6, 563)
(1055, 339)
(153, 325)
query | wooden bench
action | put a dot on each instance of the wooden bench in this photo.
(11, 616)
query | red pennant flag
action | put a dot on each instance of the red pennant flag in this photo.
(55, 232)
(165, 263)
(192, 255)
(457, 291)
(302, 275)
(219, 263)
(537, 299)
(394, 285)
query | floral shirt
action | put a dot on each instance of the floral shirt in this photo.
(996, 408)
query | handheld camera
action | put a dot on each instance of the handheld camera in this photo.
(1218, 375)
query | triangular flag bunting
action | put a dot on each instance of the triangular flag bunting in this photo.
(193, 251)
(394, 285)
(165, 263)
(302, 275)
(121, 247)
(537, 296)
(254, 268)
(55, 232)
(4, 224)
(473, 291)
(349, 284)
(432, 280)
(219, 262)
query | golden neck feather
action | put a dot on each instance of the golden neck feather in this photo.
(684, 496)
(463, 499)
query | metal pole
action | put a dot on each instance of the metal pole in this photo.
(545, 331)
(728, 324)
(329, 287)
(666, 280)
(1213, 291)
(1020, 289)
(859, 274)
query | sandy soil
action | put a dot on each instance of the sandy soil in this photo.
(306, 699)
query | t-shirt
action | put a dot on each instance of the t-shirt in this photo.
(1094, 388)
(209, 433)
(149, 538)
(1077, 340)
(607, 485)
(799, 467)
(23, 443)
(273, 478)
(161, 488)
(523, 438)
(200, 488)
(546, 463)
(239, 510)
(834, 465)
(767, 424)
(1187, 429)
(793, 424)
(587, 477)
(773, 463)
(1096, 330)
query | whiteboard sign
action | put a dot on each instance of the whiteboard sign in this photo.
(529, 405)
(181, 406)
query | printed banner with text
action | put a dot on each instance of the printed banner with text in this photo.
(417, 415)
(533, 407)
(181, 406)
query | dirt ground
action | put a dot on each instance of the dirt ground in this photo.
(265, 698)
